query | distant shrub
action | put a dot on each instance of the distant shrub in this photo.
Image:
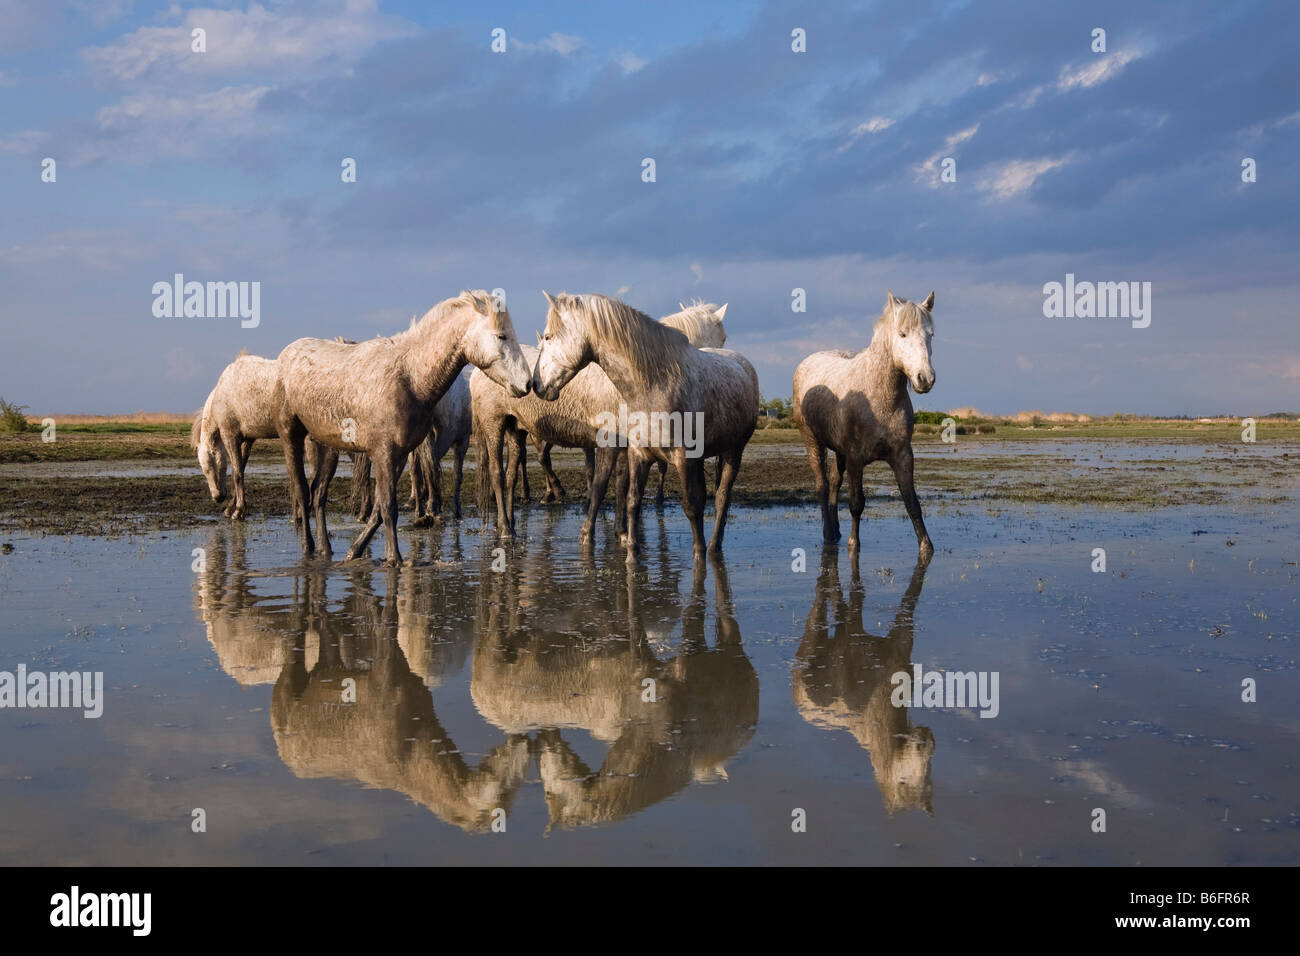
(985, 429)
(12, 418)
(930, 418)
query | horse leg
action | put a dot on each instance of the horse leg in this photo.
(367, 532)
(420, 460)
(620, 491)
(526, 488)
(589, 465)
(817, 460)
(388, 470)
(327, 462)
(459, 451)
(554, 490)
(511, 453)
(857, 501)
(497, 478)
(294, 436)
(363, 498)
(435, 483)
(518, 457)
(663, 477)
(902, 465)
(638, 469)
(230, 440)
(691, 473)
(722, 498)
(603, 462)
(837, 481)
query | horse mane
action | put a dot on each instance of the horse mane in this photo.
(648, 343)
(695, 319)
(910, 316)
(197, 428)
(474, 298)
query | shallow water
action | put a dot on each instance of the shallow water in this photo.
(522, 690)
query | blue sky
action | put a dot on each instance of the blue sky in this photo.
(775, 170)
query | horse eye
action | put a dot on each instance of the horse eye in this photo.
(501, 336)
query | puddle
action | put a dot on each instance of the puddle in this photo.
(331, 714)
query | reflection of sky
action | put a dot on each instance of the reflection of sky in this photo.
(1082, 723)
(775, 170)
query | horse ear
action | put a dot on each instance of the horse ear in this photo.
(539, 337)
(928, 304)
(722, 311)
(550, 301)
(681, 305)
(890, 300)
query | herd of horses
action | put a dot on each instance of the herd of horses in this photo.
(406, 398)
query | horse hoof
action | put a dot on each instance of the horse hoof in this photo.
(853, 544)
(925, 553)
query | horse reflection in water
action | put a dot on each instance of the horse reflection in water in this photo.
(843, 682)
(390, 737)
(557, 647)
(245, 628)
(668, 719)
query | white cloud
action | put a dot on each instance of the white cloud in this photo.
(928, 171)
(562, 43)
(630, 62)
(24, 141)
(150, 125)
(1015, 177)
(256, 39)
(876, 124)
(1099, 71)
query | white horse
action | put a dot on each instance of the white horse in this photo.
(856, 404)
(378, 397)
(670, 385)
(571, 421)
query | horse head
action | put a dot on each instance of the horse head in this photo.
(212, 460)
(491, 345)
(564, 349)
(911, 330)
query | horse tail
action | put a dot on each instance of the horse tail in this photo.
(196, 429)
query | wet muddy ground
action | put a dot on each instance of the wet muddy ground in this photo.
(510, 688)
